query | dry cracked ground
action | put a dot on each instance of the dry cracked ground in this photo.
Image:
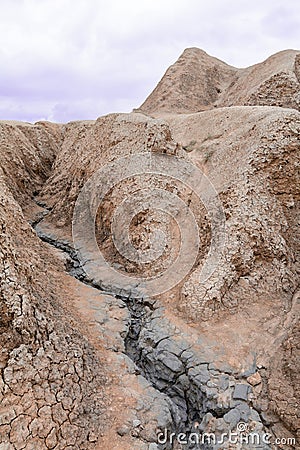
(92, 362)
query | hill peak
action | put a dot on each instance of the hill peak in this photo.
(198, 81)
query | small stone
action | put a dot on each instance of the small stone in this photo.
(254, 379)
(188, 356)
(244, 411)
(254, 416)
(184, 382)
(232, 417)
(123, 430)
(170, 361)
(200, 375)
(205, 424)
(135, 432)
(223, 382)
(211, 393)
(220, 425)
(241, 392)
(136, 423)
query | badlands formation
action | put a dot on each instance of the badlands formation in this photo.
(192, 324)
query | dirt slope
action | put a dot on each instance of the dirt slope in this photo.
(50, 373)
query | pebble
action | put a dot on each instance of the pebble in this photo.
(241, 392)
(254, 379)
(136, 423)
(123, 430)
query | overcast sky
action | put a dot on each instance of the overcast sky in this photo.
(65, 60)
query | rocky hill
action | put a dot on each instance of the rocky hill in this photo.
(197, 82)
(150, 267)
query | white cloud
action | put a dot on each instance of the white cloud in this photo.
(62, 58)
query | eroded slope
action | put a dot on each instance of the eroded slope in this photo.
(197, 82)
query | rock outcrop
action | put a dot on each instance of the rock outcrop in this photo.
(197, 82)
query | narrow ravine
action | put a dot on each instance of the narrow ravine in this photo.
(138, 312)
(197, 391)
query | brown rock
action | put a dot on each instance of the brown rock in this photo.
(254, 379)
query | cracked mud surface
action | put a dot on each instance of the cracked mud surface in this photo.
(183, 378)
(184, 382)
(89, 365)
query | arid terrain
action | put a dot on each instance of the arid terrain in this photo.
(189, 323)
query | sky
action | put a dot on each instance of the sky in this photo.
(63, 60)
